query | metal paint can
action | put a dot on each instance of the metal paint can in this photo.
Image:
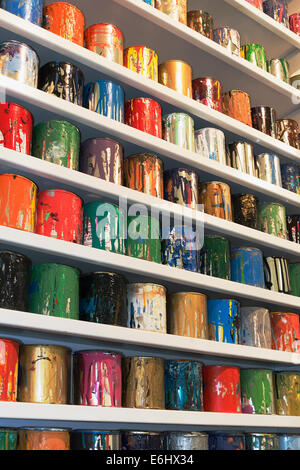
(102, 157)
(147, 307)
(94, 440)
(201, 21)
(97, 378)
(268, 168)
(20, 62)
(142, 60)
(294, 270)
(43, 439)
(208, 91)
(210, 143)
(187, 314)
(293, 228)
(144, 173)
(9, 362)
(277, 276)
(287, 132)
(256, 3)
(143, 382)
(54, 290)
(294, 23)
(215, 257)
(144, 114)
(216, 199)
(295, 81)
(245, 209)
(183, 385)
(178, 129)
(262, 441)
(106, 40)
(15, 127)
(106, 98)
(257, 391)
(287, 397)
(289, 441)
(176, 9)
(189, 440)
(143, 238)
(59, 215)
(224, 320)
(228, 38)
(181, 187)
(62, 79)
(290, 175)
(45, 374)
(142, 440)
(65, 20)
(103, 298)
(264, 120)
(18, 202)
(30, 10)
(256, 329)
(241, 156)
(104, 226)
(278, 10)
(247, 266)
(180, 247)
(279, 68)
(221, 389)
(150, 2)
(226, 441)
(57, 142)
(285, 331)
(177, 75)
(271, 218)
(14, 280)
(254, 53)
(236, 104)
(8, 438)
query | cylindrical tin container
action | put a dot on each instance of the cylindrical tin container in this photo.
(142, 440)
(146, 307)
(279, 68)
(228, 38)
(236, 104)
(256, 327)
(177, 75)
(94, 440)
(103, 298)
(106, 40)
(181, 247)
(144, 114)
(210, 143)
(30, 10)
(142, 60)
(143, 238)
(187, 314)
(208, 91)
(293, 228)
(102, 157)
(247, 266)
(215, 257)
(201, 21)
(287, 131)
(264, 120)
(271, 218)
(289, 441)
(260, 441)
(192, 440)
(183, 385)
(144, 173)
(178, 128)
(57, 142)
(65, 20)
(104, 226)
(257, 391)
(97, 378)
(277, 276)
(150, 2)
(62, 79)
(9, 362)
(216, 199)
(221, 389)
(176, 9)
(20, 62)
(245, 209)
(59, 215)
(181, 187)
(14, 280)
(8, 438)
(256, 3)
(54, 290)
(226, 441)
(295, 81)
(43, 439)
(287, 395)
(15, 127)
(256, 54)
(143, 382)
(241, 156)
(278, 10)
(106, 98)
(45, 374)
(285, 331)
(224, 320)
(290, 175)
(294, 271)
(18, 202)
(294, 23)
(268, 168)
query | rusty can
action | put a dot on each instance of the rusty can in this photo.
(144, 114)
(277, 276)
(187, 314)
(106, 40)
(208, 91)
(65, 20)
(144, 173)
(240, 155)
(15, 127)
(181, 187)
(228, 38)
(271, 218)
(9, 363)
(178, 129)
(43, 439)
(176, 74)
(221, 389)
(245, 209)
(20, 62)
(268, 168)
(210, 143)
(201, 21)
(256, 327)
(287, 131)
(216, 198)
(285, 331)
(146, 307)
(176, 9)
(287, 397)
(236, 104)
(142, 60)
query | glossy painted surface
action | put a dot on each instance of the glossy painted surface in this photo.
(287, 131)
(20, 62)
(245, 209)
(142, 60)
(43, 439)
(289, 441)
(257, 391)
(146, 307)
(142, 440)
(264, 120)
(102, 157)
(293, 228)
(278, 10)
(177, 75)
(176, 9)
(186, 440)
(216, 199)
(247, 266)
(30, 10)
(208, 91)
(62, 79)
(178, 129)
(144, 114)
(201, 21)
(183, 385)
(256, 327)
(181, 187)
(65, 20)
(180, 247)
(224, 320)
(285, 331)
(106, 98)
(15, 127)
(294, 271)
(294, 23)
(268, 168)
(277, 276)
(228, 38)
(271, 218)
(226, 441)
(106, 40)
(240, 155)
(94, 440)
(221, 389)
(287, 396)
(210, 143)
(290, 174)
(260, 441)
(279, 68)
(254, 53)
(187, 314)
(144, 172)
(9, 362)
(14, 280)
(143, 238)
(215, 257)
(256, 3)
(8, 438)
(236, 104)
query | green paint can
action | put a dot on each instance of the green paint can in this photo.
(143, 238)
(215, 257)
(8, 439)
(295, 278)
(257, 391)
(271, 218)
(262, 441)
(256, 54)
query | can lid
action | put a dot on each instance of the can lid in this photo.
(93, 351)
(43, 429)
(63, 3)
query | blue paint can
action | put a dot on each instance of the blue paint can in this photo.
(183, 385)
(290, 176)
(106, 98)
(247, 266)
(94, 440)
(278, 10)
(30, 10)
(150, 2)
(289, 441)
(224, 320)
(180, 248)
(226, 441)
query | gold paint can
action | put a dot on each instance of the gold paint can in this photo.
(287, 393)
(187, 314)
(216, 199)
(176, 74)
(176, 9)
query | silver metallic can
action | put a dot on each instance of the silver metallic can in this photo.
(279, 68)
(241, 156)
(256, 327)
(268, 168)
(186, 441)
(178, 129)
(228, 38)
(210, 143)
(20, 62)
(295, 81)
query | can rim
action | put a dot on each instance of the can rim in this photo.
(67, 349)
(14, 253)
(93, 351)
(9, 103)
(60, 191)
(57, 264)
(145, 98)
(102, 272)
(101, 138)
(29, 428)
(208, 128)
(62, 121)
(227, 27)
(58, 62)
(101, 24)
(138, 45)
(198, 11)
(139, 155)
(206, 78)
(64, 3)
(17, 341)
(174, 60)
(96, 431)
(19, 176)
(213, 182)
(14, 41)
(187, 292)
(146, 283)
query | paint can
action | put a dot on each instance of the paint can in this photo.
(177, 75)
(181, 187)
(9, 362)
(143, 238)
(201, 21)
(62, 79)
(187, 314)
(142, 60)
(175, 9)
(226, 441)
(103, 298)
(228, 38)
(147, 307)
(293, 228)
(180, 247)
(256, 329)
(57, 142)
(294, 271)
(257, 391)
(264, 120)
(189, 440)
(43, 439)
(279, 68)
(178, 129)
(8, 438)
(245, 209)
(287, 131)
(215, 257)
(59, 215)
(210, 143)
(150, 2)
(262, 441)
(94, 440)
(221, 389)
(208, 91)
(294, 23)
(290, 175)
(268, 168)
(15, 127)
(20, 62)
(224, 320)
(271, 218)
(144, 114)
(236, 104)
(277, 276)
(295, 81)
(30, 10)
(183, 385)
(18, 202)
(216, 199)
(278, 10)
(142, 440)
(106, 98)
(287, 395)
(289, 441)
(14, 280)
(102, 157)
(144, 173)
(256, 3)
(106, 40)
(45, 374)
(247, 266)
(97, 378)
(143, 382)
(285, 331)
(104, 226)
(65, 20)
(241, 157)
(254, 53)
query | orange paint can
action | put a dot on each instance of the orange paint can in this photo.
(187, 314)
(44, 439)
(216, 199)
(236, 104)
(144, 172)
(65, 20)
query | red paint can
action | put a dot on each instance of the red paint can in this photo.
(294, 21)
(144, 114)
(106, 40)
(16, 125)
(285, 331)
(59, 215)
(221, 389)
(208, 91)
(9, 361)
